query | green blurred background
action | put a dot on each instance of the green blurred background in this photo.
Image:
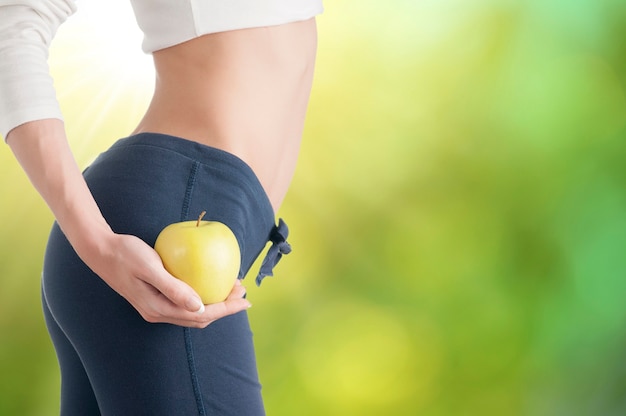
(458, 216)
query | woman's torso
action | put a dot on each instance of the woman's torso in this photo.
(243, 91)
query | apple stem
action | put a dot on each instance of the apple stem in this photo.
(200, 218)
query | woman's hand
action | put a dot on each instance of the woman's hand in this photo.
(135, 271)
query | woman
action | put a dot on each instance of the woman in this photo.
(221, 134)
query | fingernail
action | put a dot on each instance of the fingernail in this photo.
(249, 305)
(201, 310)
(195, 305)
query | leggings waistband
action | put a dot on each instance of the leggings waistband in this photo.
(207, 155)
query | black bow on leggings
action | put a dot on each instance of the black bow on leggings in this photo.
(280, 246)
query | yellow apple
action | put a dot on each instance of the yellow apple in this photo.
(204, 254)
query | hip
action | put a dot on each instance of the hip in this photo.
(147, 181)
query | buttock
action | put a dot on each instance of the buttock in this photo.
(145, 182)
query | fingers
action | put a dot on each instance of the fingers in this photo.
(160, 308)
(238, 291)
(234, 303)
(216, 311)
(140, 264)
(177, 291)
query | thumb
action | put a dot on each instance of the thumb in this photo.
(178, 292)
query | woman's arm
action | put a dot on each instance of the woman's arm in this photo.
(30, 121)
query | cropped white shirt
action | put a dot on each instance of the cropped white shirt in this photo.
(27, 28)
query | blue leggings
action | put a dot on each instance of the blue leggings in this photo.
(112, 361)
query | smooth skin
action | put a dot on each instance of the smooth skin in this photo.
(243, 91)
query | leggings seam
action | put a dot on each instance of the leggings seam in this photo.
(189, 191)
(192, 372)
(191, 181)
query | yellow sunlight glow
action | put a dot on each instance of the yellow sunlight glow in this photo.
(103, 79)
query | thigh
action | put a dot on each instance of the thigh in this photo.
(140, 368)
(225, 367)
(128, 361)
(77, 396)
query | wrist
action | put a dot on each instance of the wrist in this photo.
(90, 236)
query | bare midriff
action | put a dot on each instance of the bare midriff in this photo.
(243, 91)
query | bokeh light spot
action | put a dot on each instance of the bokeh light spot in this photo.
(355, 355)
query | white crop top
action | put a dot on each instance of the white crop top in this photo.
(27, 28)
